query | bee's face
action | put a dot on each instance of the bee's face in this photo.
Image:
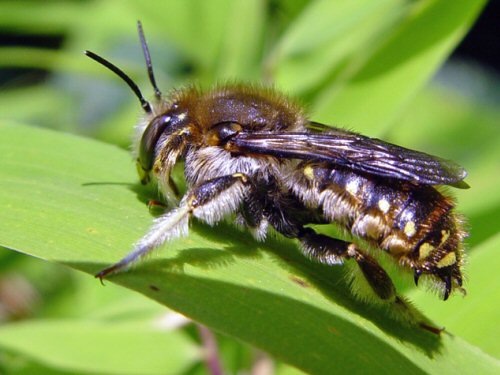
(171, 120)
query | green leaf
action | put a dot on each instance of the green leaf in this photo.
(240, 47)
(324, 35)
(473, 317)
(372, 90)
(101, 347)
(76, 201)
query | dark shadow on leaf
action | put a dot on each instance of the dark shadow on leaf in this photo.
(254, 310)
(236, 243)
(332, 282)
(203, 258)
(233, 239)
(232, 242)
(144, 193)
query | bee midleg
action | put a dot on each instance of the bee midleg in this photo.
(173, 186)
(329, 250)
(210, 202)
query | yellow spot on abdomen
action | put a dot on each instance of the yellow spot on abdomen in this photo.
(445, 234)
(396, 245)
(352, 187)
(384, 205)
(410, 229)
(309, 172)
(447, 260)
(424, 250)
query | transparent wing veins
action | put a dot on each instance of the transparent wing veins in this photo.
(360, 153)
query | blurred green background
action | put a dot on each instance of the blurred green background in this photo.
(375, 66)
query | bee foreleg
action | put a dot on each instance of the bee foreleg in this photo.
(173, 187)
(209, 202)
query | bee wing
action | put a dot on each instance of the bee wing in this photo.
(354, 151)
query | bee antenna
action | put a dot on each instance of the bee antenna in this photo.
(144, 103)
(147, 56)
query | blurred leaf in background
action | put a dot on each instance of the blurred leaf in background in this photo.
(364, 65)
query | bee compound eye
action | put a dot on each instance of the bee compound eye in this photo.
(149, 140)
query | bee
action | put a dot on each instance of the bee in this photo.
(250, 151)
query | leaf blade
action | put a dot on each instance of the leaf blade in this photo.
(94, 347)
(399, 66)
(267, 295)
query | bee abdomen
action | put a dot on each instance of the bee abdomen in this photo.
(427, 236)
(423, 223)
(415, 224)
(441, 246)
(371, 225)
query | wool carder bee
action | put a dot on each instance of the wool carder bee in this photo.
(251, 152)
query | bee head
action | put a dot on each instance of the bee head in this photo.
(165, 123)
(157, 123)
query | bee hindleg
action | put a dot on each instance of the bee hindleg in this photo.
(329, 250)
(210, 202)
(333, 251)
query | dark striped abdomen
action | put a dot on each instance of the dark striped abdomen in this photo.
(416, 224)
